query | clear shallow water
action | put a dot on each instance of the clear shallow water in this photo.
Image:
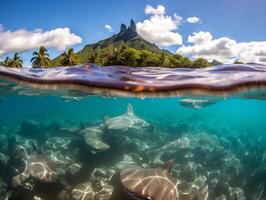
(64, 144)
(223, 144)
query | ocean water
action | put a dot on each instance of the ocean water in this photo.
(73, 145)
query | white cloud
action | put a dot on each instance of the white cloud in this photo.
(223, 49)
(24, 40)
(200, 37)
(109, 28)
(160, 10)
(193, 20)
(160, 28)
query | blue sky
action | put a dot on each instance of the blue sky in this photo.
(241, 22)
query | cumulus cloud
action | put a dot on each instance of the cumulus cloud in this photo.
(108, 28)
(24, 40)
(193, 20)
(160, 28)
(223, 49)
(200, 37)
(160, 10)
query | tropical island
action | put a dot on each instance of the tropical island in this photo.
(124, 48)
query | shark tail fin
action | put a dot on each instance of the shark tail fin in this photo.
(130, 109)
(168, 165)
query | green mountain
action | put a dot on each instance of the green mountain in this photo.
(127, 36)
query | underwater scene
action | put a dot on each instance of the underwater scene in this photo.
(71, 145)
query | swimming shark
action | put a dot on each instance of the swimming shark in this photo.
(124, 122)
(156, 184)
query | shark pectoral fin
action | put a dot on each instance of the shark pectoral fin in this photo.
(130, 109)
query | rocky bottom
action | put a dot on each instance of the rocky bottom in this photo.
(84, 162)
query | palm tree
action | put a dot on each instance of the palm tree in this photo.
(5, 62)
(16, 61)
(69, 58)
(40, 58)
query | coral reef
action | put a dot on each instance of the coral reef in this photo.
(125, 156)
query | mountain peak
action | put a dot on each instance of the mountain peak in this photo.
(127, 35)
(132, 28)
(133, 25)
(123, 27)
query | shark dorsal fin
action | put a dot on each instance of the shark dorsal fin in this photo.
(168, 165)
(130, 109)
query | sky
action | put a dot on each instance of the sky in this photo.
(225, 30)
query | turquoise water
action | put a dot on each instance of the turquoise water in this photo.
(221, 145)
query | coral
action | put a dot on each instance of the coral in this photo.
(83, 191)
(36, 166)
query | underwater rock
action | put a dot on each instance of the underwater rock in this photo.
(125, 122)
(233, 167)
(237, 194)
(74, 168)
(36, 166)
(100, 179)
(93, 138)
(64, 195)
(37, 198)
(104, 192)
(58, 157)
(30, 145)
(58, 143)
(64, 161)
(222, 187)
(136, 144)
(188, 172)
(126, 162)
(180, 143)
(213, 178)
(154, 184)
(200, 182)
(83, 191)
(221, 197)
(190, 192)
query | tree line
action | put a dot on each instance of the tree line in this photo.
(112, 55)
(124, 55)
(41, 59)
